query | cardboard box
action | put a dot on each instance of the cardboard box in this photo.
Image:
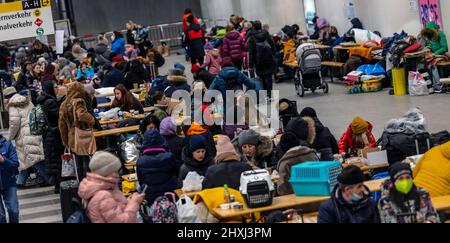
(377, 158)
(363, 152)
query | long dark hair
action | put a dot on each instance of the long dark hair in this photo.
(128, 100)
(399, 199)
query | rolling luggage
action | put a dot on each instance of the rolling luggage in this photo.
(68, 186)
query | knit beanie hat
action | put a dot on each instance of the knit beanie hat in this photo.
(359, 125)
(308, 112)
(248, 137)
(179, 66)
(152, 139)
(176, 72)
(167, 127)
(197, 142)
(288, 141)
(351, 175)
(398, 169)
(104, 163)
(225, 149)
(299, 127)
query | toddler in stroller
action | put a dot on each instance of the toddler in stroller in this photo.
(309, 70)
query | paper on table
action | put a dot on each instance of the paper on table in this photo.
(377, 158)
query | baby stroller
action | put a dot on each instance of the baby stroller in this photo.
(309, 71)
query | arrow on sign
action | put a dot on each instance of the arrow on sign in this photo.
(38, 22)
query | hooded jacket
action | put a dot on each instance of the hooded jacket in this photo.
(339, 211)
(190, 164)
(178, 82)
(346, 142)
(9, 168)
(432, 172)
(157, 167)
(228, 171)
(438, 41)
(264, 156)
(104, 202)
(169, 132)
(103, 54)
(118, 46)
(230, 78)
(233, 46)
(294, 156)
(112, 78)
(324, 143)
(29, 148)
(195, 40)
(65, 68)
(79, 100)
(257, 37)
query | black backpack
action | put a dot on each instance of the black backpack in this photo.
(79, 216)
(264, 54)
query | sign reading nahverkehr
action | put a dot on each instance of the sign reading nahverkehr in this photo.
(24, 19)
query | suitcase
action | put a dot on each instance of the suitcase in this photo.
(68, 191)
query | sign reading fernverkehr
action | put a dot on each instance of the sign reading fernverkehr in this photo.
(24, 19)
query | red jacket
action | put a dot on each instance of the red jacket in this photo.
(185, 21)
(346, 140)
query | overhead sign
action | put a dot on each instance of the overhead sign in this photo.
(24, 19)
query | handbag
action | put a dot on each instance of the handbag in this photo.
(68, 164)
(84, 139)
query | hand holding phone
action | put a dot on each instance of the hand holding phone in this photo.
(142, 189)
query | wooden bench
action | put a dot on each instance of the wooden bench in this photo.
(330, 65)
(116, 131)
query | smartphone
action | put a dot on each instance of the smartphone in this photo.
(142, 189)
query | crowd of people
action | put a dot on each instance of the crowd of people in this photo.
(61, 91)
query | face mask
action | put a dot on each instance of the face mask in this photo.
(356, 198)
(404, 186)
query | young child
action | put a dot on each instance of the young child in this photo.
(213, 60)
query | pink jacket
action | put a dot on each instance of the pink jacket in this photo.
(213, 64)
(105, 202)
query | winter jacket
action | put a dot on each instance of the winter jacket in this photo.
(78, 99)
(346, 142)
(185, 17)
(118, 46)
(324, 142)
(390, 213)
(226, 172)
(294, 156)
(53, 147)
(257, 37)
(88, 74)
(65, 68)
(136, 75)
(438, 45)
(195, 40)
(339, 211)
(112, 78)
(175, 145)
(157, 167)
(233, 46)
(103, 54)
(213, 63)
(104, 202)
(432, 172)
(230, 78)
(288, 46)
(189, 164)
(9, 168)
(29, 148)
(177, 83)
(264, 156)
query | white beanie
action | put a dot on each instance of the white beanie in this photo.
(104, 164)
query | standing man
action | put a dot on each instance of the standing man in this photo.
(9, 168)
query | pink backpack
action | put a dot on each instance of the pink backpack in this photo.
(164, 209)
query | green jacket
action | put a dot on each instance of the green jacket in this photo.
(438, 46)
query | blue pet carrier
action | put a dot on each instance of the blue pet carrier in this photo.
(377, 195)
(315, 178)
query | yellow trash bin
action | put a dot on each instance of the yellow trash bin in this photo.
(399, 81)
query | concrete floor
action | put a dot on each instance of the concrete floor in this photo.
(337, 109)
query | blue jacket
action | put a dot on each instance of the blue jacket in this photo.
(118, 46)
(88, 74)
(10, 167)
(339, 211)
(230, 78)
(112, 78)
(157, 168)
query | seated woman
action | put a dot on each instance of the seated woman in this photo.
(157, 167)
(85, 72)
(168, 130)
(358, 136)
(195, 158)
(432, 172)
(255, 150)
(227, 168)
(102, 199)
(125, 100)
(404, 202)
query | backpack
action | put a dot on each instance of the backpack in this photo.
(80, 215)
(38, 121)
(264, 55)
(159, 60)
(164, 209)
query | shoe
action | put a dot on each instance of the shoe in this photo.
(437, 91)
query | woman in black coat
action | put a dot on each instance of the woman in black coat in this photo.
(195, 158)
(53, 146)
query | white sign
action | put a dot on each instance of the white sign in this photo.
(59, 41)
(25, 19)
(413, 5)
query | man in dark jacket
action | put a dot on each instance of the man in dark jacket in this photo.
(177, 82)
(350, 201)
(136, 74)
(157, 168)
(195, 40)
(9, 168)
(262, 56)
(53, 147)
(111, 77)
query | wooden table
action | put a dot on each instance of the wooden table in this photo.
(368, 168)
(320, 46)
(114, 121)
(116, 131)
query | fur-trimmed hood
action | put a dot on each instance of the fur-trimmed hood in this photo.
(177, 79)
(19, 101)
(264, 147)
(302, 125)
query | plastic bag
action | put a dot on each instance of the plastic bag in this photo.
(187, 211)
(68, 164)
(371, 69)
(193, 182)
(417, 84)
(109, 114)
(129, 150)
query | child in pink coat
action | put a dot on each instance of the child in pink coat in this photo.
(213, 60)
(102, 199)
